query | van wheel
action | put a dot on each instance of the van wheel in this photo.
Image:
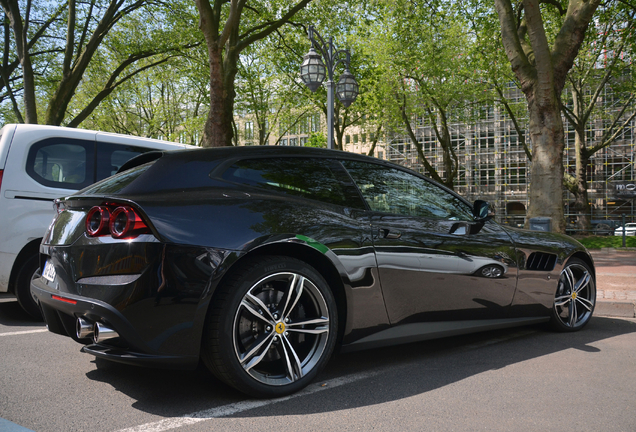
(22, 288)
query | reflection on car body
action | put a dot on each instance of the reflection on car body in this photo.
(261, 261)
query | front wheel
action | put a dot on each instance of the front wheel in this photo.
(272, 327)
(575, 297)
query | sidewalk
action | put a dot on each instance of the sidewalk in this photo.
(615, 282)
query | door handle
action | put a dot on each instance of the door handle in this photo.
(390, 234)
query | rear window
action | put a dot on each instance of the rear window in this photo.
(317, 179)
(118, 182)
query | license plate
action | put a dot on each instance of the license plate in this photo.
(49, 271)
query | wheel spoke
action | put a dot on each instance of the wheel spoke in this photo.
(316, 331)
(586, 303)
(313, 321)
(259, 303)
(253, 311)
(573, 314)
(562, 300)
(293, 294)
(582, 283)
(569, 277)
(294, 367)
(257, 351)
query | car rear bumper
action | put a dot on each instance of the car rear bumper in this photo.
(61, 311)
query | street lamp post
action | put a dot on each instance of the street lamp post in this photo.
(313, 72)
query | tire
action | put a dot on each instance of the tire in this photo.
(575, 297)
(491, 271)
(22, 288)
(272, 327)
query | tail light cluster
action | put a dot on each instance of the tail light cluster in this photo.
(121, 222)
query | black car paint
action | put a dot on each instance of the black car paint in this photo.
(160, 315)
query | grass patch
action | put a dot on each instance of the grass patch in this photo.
(598, 242)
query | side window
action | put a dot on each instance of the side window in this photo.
(317, 179)
(394, 191)
(110, 157)
(62, 163)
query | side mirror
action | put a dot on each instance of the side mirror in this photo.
(483, 211)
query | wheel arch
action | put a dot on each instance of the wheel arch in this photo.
(30, 249)
(311, 256)
(586, 259)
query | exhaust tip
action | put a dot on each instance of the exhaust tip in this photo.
(103, 333)
(83, 328)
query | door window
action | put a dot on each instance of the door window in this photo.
(391, 190)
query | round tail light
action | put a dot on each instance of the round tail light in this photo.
(122, 222)
(97, 221)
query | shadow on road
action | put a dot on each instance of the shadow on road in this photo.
(399, 372)
(12, 315)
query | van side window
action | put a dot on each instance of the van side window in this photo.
(110, 157)
(61, 163)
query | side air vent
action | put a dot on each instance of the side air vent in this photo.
(541, 261)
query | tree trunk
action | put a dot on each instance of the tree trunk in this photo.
(218, 127)
(581, 201)
(12, 11)
(546, 188)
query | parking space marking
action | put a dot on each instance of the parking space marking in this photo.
(24, 332)
(226, 410)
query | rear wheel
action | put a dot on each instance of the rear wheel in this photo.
(22, 289)
(272, 327)
(575, 297)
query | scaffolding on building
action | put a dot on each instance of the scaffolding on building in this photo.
(493, 164)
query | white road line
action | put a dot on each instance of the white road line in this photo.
(24, 332)
(226, 410)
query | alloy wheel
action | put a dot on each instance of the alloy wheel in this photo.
(281, 328)
(575, 296)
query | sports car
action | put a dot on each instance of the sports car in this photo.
(261, 261)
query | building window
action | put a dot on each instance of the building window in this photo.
(293, 141)
(249, 131)
(348, 139)
(364, 138)
(315, 123)
(303, 141)
(304, 125)
(355, 138)
(283, 141)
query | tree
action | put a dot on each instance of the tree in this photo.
(429, 73)
(541, 67)
(71, 38)
(600, 75)
(229, 27)
(265, 93)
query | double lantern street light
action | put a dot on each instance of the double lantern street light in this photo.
(312, 72)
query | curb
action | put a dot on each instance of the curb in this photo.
(616, 309)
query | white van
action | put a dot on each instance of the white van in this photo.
(37, 165)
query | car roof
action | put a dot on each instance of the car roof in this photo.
(241, 152)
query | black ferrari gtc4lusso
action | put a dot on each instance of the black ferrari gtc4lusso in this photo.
(262, 260)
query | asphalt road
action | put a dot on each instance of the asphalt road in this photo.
(525, 379)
